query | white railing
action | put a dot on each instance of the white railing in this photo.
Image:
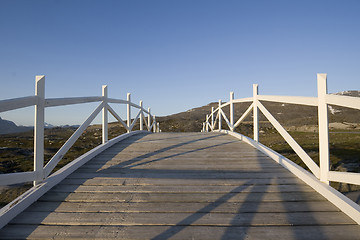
(41, 172)
(321, 172)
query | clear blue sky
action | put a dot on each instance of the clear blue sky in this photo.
(174, 55)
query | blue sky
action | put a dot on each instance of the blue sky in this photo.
(174, 55)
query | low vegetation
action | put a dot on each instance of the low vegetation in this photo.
(16, 150)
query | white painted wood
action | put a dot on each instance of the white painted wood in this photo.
(344, 101)
(158, 127)
(219, 115)
(346, 205)
(112, 111)
(345, 177)
(255, 112)
(60, 154)
(128, 119)
(226, 120)
(39, 129)
(293, 144)
(154, 124)
(207, 123)
(246, 113)
(135, 119)
(212, 118)
(309, 101)
(243, 100)
(53, 102)
(149, 120)
(231, 111)
(323, 128)
(18, 205)
(104, 115)
(15, 178)
(16, 103)
(141, 116)
(113, 100)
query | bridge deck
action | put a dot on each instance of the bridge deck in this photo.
(182, 186)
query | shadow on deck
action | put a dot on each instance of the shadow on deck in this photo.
(182, 186)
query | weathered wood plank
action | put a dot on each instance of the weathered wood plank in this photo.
(181, 197)
(184, 219)
(182, 186)
(343, 232)
(179, 174)
(181, 189)
(117, 181)
(225, 207)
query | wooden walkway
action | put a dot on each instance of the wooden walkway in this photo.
(182, 186)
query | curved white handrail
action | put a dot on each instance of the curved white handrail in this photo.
(322, 101)
(41, 173)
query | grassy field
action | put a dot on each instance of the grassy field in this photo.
(17, 152)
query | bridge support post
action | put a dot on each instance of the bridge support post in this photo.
(141, 116)
(232, 111)
(39, 129)
(128, 112)
(323, 128)
(104, 115)
(212, 118)
(219, 112)
(256, 113)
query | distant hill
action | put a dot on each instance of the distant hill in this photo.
(289, 115)
(7, 126)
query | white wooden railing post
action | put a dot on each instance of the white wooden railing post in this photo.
(212, 118)
(232, 111)
(158, 127)
(141, 116)
(128, 112)
(39, 129)
(154, 119)
(149, 119)
(219, 112)
(207, 123)
(256, 113)
(203, 127)
(323, 128)
(104, 115)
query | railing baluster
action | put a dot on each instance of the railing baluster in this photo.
(219, 113)
(231, 111)
(39, 129)
(256, 113)
(104, 115)
(128, 112)
(141, 115)
(323, 128)
(149, 120)
(154, 124)
(212, 118)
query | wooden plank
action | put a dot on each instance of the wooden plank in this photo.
(225, 207)
(181, 189)
(168, 174)
(184, 219)
(118, 181)
(344, 232)
(181, 197)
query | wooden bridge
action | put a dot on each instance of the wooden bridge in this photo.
(182, 186)
(217, 184)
